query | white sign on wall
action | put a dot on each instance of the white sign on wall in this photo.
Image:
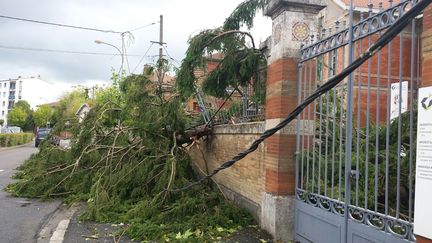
(423, 189)
(397, 100)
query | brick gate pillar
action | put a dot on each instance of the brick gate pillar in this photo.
(293, 22)
(426, 67)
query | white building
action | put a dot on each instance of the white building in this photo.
(33, 90)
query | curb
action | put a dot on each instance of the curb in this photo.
(55, 228)
(15, 147)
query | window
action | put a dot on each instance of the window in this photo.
(4, 85)
(3, 113)
(4, 103)
(4, 94)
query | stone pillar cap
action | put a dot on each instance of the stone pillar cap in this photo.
(276, 7)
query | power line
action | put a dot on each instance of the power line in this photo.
(61, 25)
(63, 51)
(142, 58)
(141, 27)
(172, 58)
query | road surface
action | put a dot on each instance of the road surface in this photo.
(20, 219)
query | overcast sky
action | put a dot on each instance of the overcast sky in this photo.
(181, 20)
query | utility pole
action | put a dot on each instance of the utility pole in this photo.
(160, 49)
(160, 43)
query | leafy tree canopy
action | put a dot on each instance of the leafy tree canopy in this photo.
(21, 115)
(17, 117)
(24, 105)
(240, 62)
(42, 115)
(68, 106)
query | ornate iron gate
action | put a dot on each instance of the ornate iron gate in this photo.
(356, 144)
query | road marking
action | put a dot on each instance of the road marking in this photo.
(59, 233)
(1, 170)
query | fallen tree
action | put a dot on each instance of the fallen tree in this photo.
(125, 156)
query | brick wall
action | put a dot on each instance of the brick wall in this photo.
(361, 77)
(242, 183)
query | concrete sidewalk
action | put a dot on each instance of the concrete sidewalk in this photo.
(72, 230)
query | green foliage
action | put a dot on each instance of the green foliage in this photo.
(66, 109)
(123, 159)
(244, 14)
(240, 63)
(42, 115)
(14, 139)
(24, 108)
(1, 122)
(24, 105)
(17, 117)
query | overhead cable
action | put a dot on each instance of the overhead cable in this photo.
(141, 27)
(142, 58)
(172, 58)
(60, 25)
(63, 51)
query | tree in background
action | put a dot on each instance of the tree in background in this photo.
(241, 62)
(17, 117)
(24, 105)
(21, 115)
(68, 106)
(1, 122)
(42, 115)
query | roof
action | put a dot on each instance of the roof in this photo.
(153, 76)
(167, 79)
(82, 108)
(52, 104)
(365, 3)
(215, 56)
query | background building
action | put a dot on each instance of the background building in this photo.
(34, 90)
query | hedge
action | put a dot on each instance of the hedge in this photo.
(13, 139)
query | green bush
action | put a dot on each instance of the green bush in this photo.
(13, 139)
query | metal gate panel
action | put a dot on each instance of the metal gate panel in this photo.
(316, 225)
(355, 155)
(360, 233)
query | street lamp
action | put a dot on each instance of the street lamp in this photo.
(118, 49)
(43, 99)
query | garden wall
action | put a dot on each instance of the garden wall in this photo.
(244, 182)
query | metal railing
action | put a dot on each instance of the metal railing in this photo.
(356, 143)
(238, 108)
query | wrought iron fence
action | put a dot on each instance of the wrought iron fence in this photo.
(356, 144)
(238, 108)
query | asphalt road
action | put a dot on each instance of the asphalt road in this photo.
(20, 219)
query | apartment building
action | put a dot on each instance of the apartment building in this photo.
(32, 89)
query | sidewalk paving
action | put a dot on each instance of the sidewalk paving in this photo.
(92, 232)
(85, 231)
(17, 146)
